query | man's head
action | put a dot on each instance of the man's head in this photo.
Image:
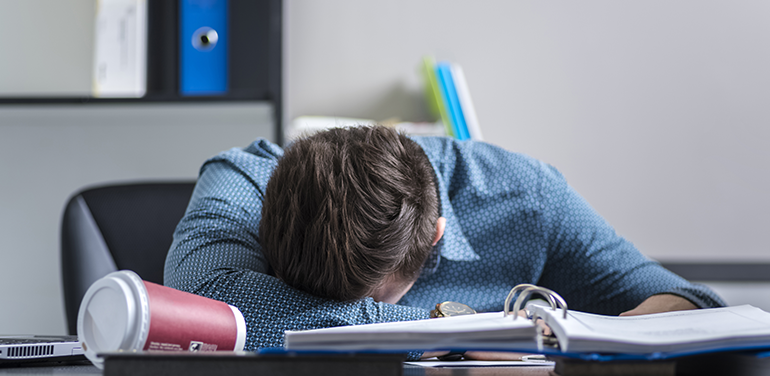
(348, 211)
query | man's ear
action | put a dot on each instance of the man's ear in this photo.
(440, 226)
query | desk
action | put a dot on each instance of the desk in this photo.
(709, 364)
(695, 366)
(69, 370)
(89, 370)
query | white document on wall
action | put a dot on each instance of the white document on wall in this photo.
(120, 49)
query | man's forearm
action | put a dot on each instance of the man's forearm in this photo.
(661, 303)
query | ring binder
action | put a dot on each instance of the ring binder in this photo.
(525, 290)
(583, 335)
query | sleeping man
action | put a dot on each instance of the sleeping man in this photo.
(364, 225)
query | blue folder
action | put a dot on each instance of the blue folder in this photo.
(444, 74)
(203, 47)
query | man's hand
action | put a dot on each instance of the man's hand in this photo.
(661, 303)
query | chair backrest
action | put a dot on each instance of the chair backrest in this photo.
(117, 227)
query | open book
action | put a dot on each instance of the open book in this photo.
(654, 336)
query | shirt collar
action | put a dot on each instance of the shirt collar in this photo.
(454, 244)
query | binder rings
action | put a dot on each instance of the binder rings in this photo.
(203, 47)
(575, 334)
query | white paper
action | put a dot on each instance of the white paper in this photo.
(481, 331)
(479, 363)
(464, 95)
(120, 48)
(669, 332)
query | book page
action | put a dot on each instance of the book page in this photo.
(482, 330)
(490, 321)
(692, 330)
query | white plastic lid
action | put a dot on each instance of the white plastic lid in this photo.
(240, 323)
(114, 315)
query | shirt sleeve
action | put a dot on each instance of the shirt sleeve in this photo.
(216, 253)
(595, 269)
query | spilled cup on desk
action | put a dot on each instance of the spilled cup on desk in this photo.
(121, 312)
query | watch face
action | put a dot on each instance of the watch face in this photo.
(455, 309)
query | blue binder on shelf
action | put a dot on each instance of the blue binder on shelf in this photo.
(444, 74)
(203, 47)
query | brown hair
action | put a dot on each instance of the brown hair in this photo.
(347, 208)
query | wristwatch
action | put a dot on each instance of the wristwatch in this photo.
(447, 309)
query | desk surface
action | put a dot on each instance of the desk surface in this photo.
(70, 370)
(89, 370)
(707, 364)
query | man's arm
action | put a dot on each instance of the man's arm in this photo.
(661, 303)
(597, 270)
(216, 253)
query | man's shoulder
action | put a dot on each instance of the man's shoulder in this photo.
(256, 161)
(261, 150)
(264, 148)
(443, 150)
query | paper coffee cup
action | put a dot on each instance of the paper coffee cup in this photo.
(121, 312)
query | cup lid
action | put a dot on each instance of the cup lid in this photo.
(114, 315)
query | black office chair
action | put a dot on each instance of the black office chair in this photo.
(117, 227)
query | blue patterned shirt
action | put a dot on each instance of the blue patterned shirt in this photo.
(510, 219)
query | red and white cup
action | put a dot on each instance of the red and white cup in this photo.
(121, 312)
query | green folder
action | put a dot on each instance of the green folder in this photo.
(433, 95)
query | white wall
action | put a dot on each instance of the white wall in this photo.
(47, 153)
(738, 293)
(656, 111)
(46, 47)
